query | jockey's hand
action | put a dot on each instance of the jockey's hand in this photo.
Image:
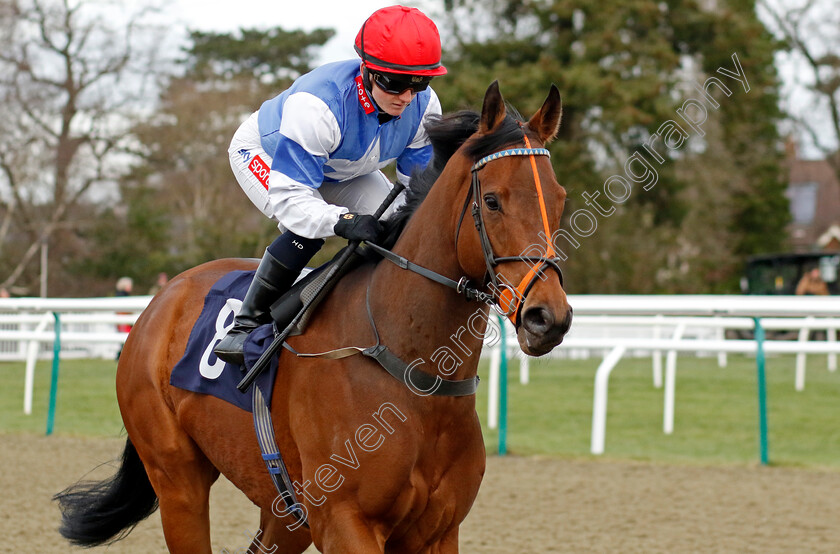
(353, 226)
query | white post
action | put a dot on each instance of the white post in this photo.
(657, 355)
(720, 334)
(31, 359)
(524, 368)
(800, 356)
(670, 383)
(831, 336)
(599, 405)
(493, 386)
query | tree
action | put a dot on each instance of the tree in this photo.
(624, 68)
(72, 82)
(811, 31)
(272, 56)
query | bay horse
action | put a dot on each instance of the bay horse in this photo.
(378, 467)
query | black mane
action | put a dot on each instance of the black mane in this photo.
(447, 133)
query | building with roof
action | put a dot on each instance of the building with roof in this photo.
(814, 194)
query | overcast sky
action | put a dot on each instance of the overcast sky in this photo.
(347, 16)
(344, 16)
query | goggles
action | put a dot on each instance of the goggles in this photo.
(397, 84)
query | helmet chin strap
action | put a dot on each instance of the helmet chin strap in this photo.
(384, 117)
(367, 82)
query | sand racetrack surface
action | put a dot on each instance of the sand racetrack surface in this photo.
(526, 505)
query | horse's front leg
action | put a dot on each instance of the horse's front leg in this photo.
(346, 531)
(448, 543)
(275, 538)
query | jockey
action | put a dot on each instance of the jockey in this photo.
(310, 158)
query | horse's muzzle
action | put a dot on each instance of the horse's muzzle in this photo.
(541, 331)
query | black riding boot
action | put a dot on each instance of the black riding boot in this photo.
(270, 282)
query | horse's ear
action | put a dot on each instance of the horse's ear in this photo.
(493, 110)
(546, 121)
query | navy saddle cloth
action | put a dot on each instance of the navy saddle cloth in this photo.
(200, 370)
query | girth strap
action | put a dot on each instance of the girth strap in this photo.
(274, 461)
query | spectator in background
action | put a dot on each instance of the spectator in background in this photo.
(4, 293)
(812, 284)
(124, 287)
(162, 279)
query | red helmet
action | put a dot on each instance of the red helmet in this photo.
(398, 39)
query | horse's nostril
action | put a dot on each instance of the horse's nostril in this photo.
(538, 320)
(567, 322)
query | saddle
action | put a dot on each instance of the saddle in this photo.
(308, 288)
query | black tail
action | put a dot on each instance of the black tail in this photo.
(95, 513)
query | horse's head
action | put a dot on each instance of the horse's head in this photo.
(516, 204)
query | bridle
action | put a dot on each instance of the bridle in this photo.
(505, 298)
(510, 298)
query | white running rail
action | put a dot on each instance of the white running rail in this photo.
(88, 329)
(617, 326)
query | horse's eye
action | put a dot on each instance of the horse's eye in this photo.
(492, 202)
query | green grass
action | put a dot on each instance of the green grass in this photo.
(716, 414)
(86, 403)
(716, 409)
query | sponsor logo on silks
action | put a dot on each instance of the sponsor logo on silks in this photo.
(367, 105)
(245, 153)
(260, 170)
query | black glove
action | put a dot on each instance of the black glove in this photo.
(358, 227)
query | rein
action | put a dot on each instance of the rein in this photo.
(461, 286)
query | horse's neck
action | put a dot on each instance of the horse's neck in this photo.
(425, 319)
